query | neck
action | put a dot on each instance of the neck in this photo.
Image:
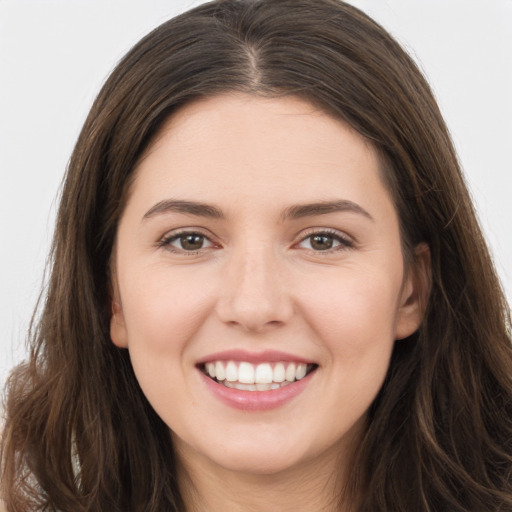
(315, 485)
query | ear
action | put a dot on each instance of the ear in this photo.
(118, 333)
(415, 293)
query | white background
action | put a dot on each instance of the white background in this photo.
(55, 54)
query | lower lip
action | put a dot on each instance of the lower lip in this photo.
(256, 400)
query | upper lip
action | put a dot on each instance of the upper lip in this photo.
(267, 356)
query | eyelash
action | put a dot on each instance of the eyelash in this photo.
(166, 242)
(344, 242)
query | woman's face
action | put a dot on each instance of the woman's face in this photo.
(259, 283)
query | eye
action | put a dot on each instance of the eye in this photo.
(186, 241)
(325, 241)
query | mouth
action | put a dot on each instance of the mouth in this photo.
(264, 376)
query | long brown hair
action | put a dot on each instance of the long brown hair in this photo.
(80, 435)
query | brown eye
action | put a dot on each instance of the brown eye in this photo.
(321, 242)
(187, 242)
(192, 242)
(325, 241)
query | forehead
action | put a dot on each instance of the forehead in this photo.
(238, 142)
(254, 118)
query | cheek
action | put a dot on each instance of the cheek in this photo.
(163, 309)
(354, 321)
(163, 315)
(350, 317)
(355, 303)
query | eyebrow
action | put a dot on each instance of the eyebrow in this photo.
(189, 207)
(324, 208)
(293, 212)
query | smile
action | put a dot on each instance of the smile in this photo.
(265, 376)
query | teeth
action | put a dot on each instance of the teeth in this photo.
(254, 387)
(220, 373)
(300, 372)
(279, 374)
(231, 372)
(238, 385)
(261, 377)
(245, 373)
(263, 374)
(290, 373)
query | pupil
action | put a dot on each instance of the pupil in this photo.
(321, 242)
(192, 242)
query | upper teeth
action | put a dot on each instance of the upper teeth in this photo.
(263, 373)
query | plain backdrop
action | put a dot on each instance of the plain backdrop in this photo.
(55, 54)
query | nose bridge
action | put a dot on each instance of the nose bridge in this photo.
(254, 295)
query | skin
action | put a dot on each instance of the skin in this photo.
(259, 283)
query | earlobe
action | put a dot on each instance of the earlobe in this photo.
(415, 293)
(118, 332)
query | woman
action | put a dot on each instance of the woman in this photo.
(269, 290)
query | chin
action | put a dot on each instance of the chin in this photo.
(252, 450)
(259, 462)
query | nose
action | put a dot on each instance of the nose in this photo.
(254, 295)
